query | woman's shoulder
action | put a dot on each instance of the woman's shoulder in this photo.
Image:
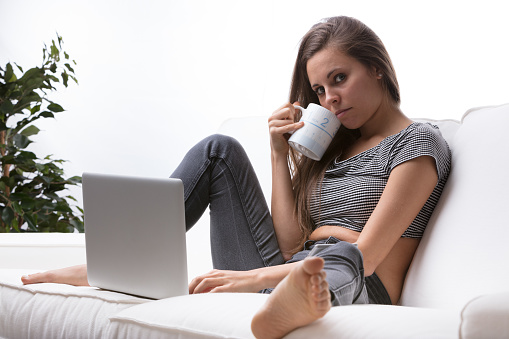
(418, 139)
(420, 133)
(424, 128)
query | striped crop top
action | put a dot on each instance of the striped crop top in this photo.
(352, 188)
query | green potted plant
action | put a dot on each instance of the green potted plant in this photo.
(31, 188)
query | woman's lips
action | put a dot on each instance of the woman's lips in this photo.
(341, 112)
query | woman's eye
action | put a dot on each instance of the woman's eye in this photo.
(320, 91)
(340, 77)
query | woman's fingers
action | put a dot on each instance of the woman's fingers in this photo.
(209, 282)
(285, 112)
(193, 285)
(285, 125)
(281, 125)
(224, 281)
(286, 129)
(207, 285)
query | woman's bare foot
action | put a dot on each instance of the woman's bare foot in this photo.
(299, 299)
(74, 275)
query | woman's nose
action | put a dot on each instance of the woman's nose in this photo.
(331, 98)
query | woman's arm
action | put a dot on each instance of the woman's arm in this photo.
(240, 281)
(283, 201)
(408, 188)
(282, 207)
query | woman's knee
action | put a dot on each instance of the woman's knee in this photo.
(345, 253)
(222, 145)
(345, 272)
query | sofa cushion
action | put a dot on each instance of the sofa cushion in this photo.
(465, 244)
(55, 310)
(228, 315)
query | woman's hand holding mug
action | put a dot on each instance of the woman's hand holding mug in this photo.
(281, 126)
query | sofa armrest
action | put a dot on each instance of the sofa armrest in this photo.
(486, 317)
(42, 251)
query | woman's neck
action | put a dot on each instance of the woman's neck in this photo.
(386, 121)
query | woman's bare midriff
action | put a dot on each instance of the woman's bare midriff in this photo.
(392, 270)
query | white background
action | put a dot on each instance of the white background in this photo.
(157, 76)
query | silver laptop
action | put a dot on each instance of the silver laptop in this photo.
(135, 235)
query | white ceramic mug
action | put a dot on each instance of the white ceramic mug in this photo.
(320, 127)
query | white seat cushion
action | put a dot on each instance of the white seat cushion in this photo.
(228, 315)
(56, 310)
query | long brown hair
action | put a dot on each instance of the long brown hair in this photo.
(355, 39)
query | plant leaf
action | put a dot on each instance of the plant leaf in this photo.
(19, 67)
(17, 208)
(69, 68)
(25, 156)
(7, 215)
(55, 107)
(30, 130)
(21, 141)
(15, 225)
(31, 221)
(72, 198)
(65, 78)
(9, 75)
(35, 109)
(47, 114)
(75, 180)
(7, 107)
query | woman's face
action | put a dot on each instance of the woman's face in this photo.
(345, 86)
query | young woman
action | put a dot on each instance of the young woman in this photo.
(369, 198)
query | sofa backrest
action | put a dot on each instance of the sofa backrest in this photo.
(464, 251)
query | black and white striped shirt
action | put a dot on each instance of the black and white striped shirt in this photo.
(352, 188)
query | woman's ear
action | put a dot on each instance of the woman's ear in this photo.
(377, 73)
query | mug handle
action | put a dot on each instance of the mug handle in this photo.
(301, 109)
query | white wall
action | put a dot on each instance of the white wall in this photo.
(157, 76)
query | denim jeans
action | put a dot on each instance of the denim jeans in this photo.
(344, 266)
(216, 173)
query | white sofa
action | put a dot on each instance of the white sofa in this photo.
(457, 286)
